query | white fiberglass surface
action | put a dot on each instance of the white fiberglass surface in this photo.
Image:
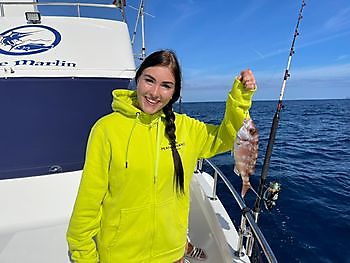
(210, 226)
(35, 212)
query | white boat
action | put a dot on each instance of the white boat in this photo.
(48, 64)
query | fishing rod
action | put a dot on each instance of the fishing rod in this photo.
(273, 130)
(271, 194)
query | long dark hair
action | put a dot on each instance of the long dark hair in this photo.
(168, 59)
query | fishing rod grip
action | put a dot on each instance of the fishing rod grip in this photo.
(268, 154)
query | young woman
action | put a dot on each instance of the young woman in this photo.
(133, 200)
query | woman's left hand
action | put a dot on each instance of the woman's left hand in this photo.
(247, 78)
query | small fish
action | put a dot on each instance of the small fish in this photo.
(245, 151)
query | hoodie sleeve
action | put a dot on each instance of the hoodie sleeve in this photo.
(85, 220)
(217, 139)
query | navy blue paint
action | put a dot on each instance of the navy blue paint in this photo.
(46, 121)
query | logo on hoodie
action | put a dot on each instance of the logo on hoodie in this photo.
(28, 39)
(178, 146)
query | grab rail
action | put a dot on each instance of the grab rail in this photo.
(78, 5)
(246, 212)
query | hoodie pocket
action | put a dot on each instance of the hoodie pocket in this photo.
(170, 234)
(130, 239)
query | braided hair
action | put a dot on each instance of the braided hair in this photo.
(168, 59)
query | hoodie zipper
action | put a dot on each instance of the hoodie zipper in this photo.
(155, 179)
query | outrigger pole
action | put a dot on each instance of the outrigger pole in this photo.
(275, 121)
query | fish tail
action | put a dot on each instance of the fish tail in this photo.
(245, 185)
(245, 189)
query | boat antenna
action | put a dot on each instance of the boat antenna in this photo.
(275, 121)
(142, 11)
(140, 14)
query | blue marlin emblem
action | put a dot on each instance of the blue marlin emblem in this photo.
(34, 46)
(15, 40)
(28, 39)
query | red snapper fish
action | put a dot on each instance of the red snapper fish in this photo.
(245, 151)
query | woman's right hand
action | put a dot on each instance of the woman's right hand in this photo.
(247, 78)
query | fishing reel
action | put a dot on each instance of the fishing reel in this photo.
(271, 195)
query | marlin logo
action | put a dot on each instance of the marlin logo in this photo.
(12, 38)
(28, 39)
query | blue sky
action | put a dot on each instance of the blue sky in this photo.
(215, 40)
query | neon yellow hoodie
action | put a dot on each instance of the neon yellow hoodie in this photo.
(127, 210)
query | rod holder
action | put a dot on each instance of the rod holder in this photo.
(244, 233)
(213, 196)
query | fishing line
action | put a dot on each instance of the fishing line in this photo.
(253, 190)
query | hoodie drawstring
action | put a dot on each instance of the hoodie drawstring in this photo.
(127, 146)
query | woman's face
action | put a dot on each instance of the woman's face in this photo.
(155, 88)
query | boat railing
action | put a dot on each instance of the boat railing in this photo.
(246, 217)
(61, 4)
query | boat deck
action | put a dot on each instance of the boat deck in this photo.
(210, 226)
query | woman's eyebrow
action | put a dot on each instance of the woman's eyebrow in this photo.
(164, 82)
(149, 76)
(168, 82)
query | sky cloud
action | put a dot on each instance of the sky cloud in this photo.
(342, 57)
(325, 72)
(340, 21)
(305, 83)
(186, 9)
(250, 9)
(318, 40)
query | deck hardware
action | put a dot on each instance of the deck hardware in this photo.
(271, 195)
(33, 17)
(244, 232)
(54, 169)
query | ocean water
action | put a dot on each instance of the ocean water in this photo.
(311, 159)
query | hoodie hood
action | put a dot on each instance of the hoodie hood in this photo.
(125, 102)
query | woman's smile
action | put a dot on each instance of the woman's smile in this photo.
(155, 88)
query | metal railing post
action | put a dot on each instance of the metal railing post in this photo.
(78, 9)
(199, 166)
(213, 196)
(2, 13)
(239, 251)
